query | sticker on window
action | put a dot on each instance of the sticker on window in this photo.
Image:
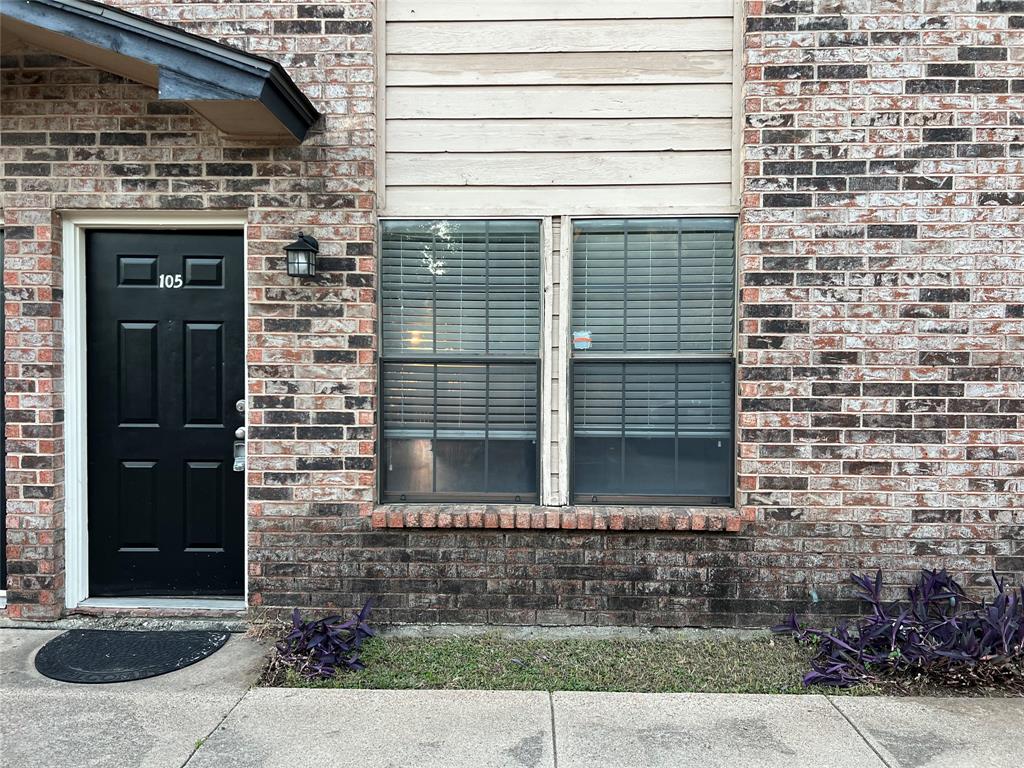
(581, 340)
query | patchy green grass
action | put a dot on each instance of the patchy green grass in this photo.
(723, 665)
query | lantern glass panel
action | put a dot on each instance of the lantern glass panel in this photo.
(301, 263)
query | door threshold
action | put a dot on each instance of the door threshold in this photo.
(168, 603)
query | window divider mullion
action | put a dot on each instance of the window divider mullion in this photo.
(433, 293)
(433, 441)
(487, 287)
(436, 366)
(675, 429)
(679, 286)
(625, 285)
(487, 425)
(622, 447)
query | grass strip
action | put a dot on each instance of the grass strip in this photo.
(490, 662)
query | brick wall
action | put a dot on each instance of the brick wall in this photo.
(74, 137)
(881, 323)
(882, 289)
(880, 350)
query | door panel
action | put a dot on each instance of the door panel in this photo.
(137, 373)
(165, 335)
(204, 361)
(203, 502)
(137, 487)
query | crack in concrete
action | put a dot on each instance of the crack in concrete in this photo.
(213, 730)
(869, 741)
(554, 736)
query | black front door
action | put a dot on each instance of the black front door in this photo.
(165, 319)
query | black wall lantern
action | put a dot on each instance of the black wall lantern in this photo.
(301, 256)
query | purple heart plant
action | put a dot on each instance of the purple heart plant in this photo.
(321, 648)
(938, 636)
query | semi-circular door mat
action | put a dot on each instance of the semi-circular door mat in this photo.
(114, 656)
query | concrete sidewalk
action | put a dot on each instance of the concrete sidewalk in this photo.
(206, 716)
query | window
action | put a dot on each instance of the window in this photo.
(460, 365)
(652, 368)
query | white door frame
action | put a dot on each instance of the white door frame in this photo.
(76, 499)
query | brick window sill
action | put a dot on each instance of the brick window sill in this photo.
(574, 518)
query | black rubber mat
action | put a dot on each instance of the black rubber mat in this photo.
(114, 656)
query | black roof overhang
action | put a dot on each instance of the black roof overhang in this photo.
(242, 94)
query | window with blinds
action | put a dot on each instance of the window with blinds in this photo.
(460, 359)
(652, 370)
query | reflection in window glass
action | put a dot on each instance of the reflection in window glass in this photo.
(451, 287)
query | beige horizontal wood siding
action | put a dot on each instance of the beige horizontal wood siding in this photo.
(505, 10)
(622, 68)
(535, 107)
(555, 135)
(604, 200)
(564, 101)
(446, 37)
(565, 169)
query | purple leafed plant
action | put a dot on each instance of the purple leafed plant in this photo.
(319, 649)
(938, 636)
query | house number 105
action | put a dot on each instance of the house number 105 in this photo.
(170, 281)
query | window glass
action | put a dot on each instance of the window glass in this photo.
(652, 373)
(652, 429)
(460, 428)
(655, 285)
(451, 287)
(461, 320)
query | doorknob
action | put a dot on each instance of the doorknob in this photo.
(240, 433)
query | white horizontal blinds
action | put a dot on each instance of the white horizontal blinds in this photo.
(407, 286)
(461, 287)
(497, 401)
(655, 285)
(652, 399)
(598, 399)
(460, 407)
(513, 287)
(704, 399)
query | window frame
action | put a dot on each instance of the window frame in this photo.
(571, 496)
(539, 361)
(555, 371)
